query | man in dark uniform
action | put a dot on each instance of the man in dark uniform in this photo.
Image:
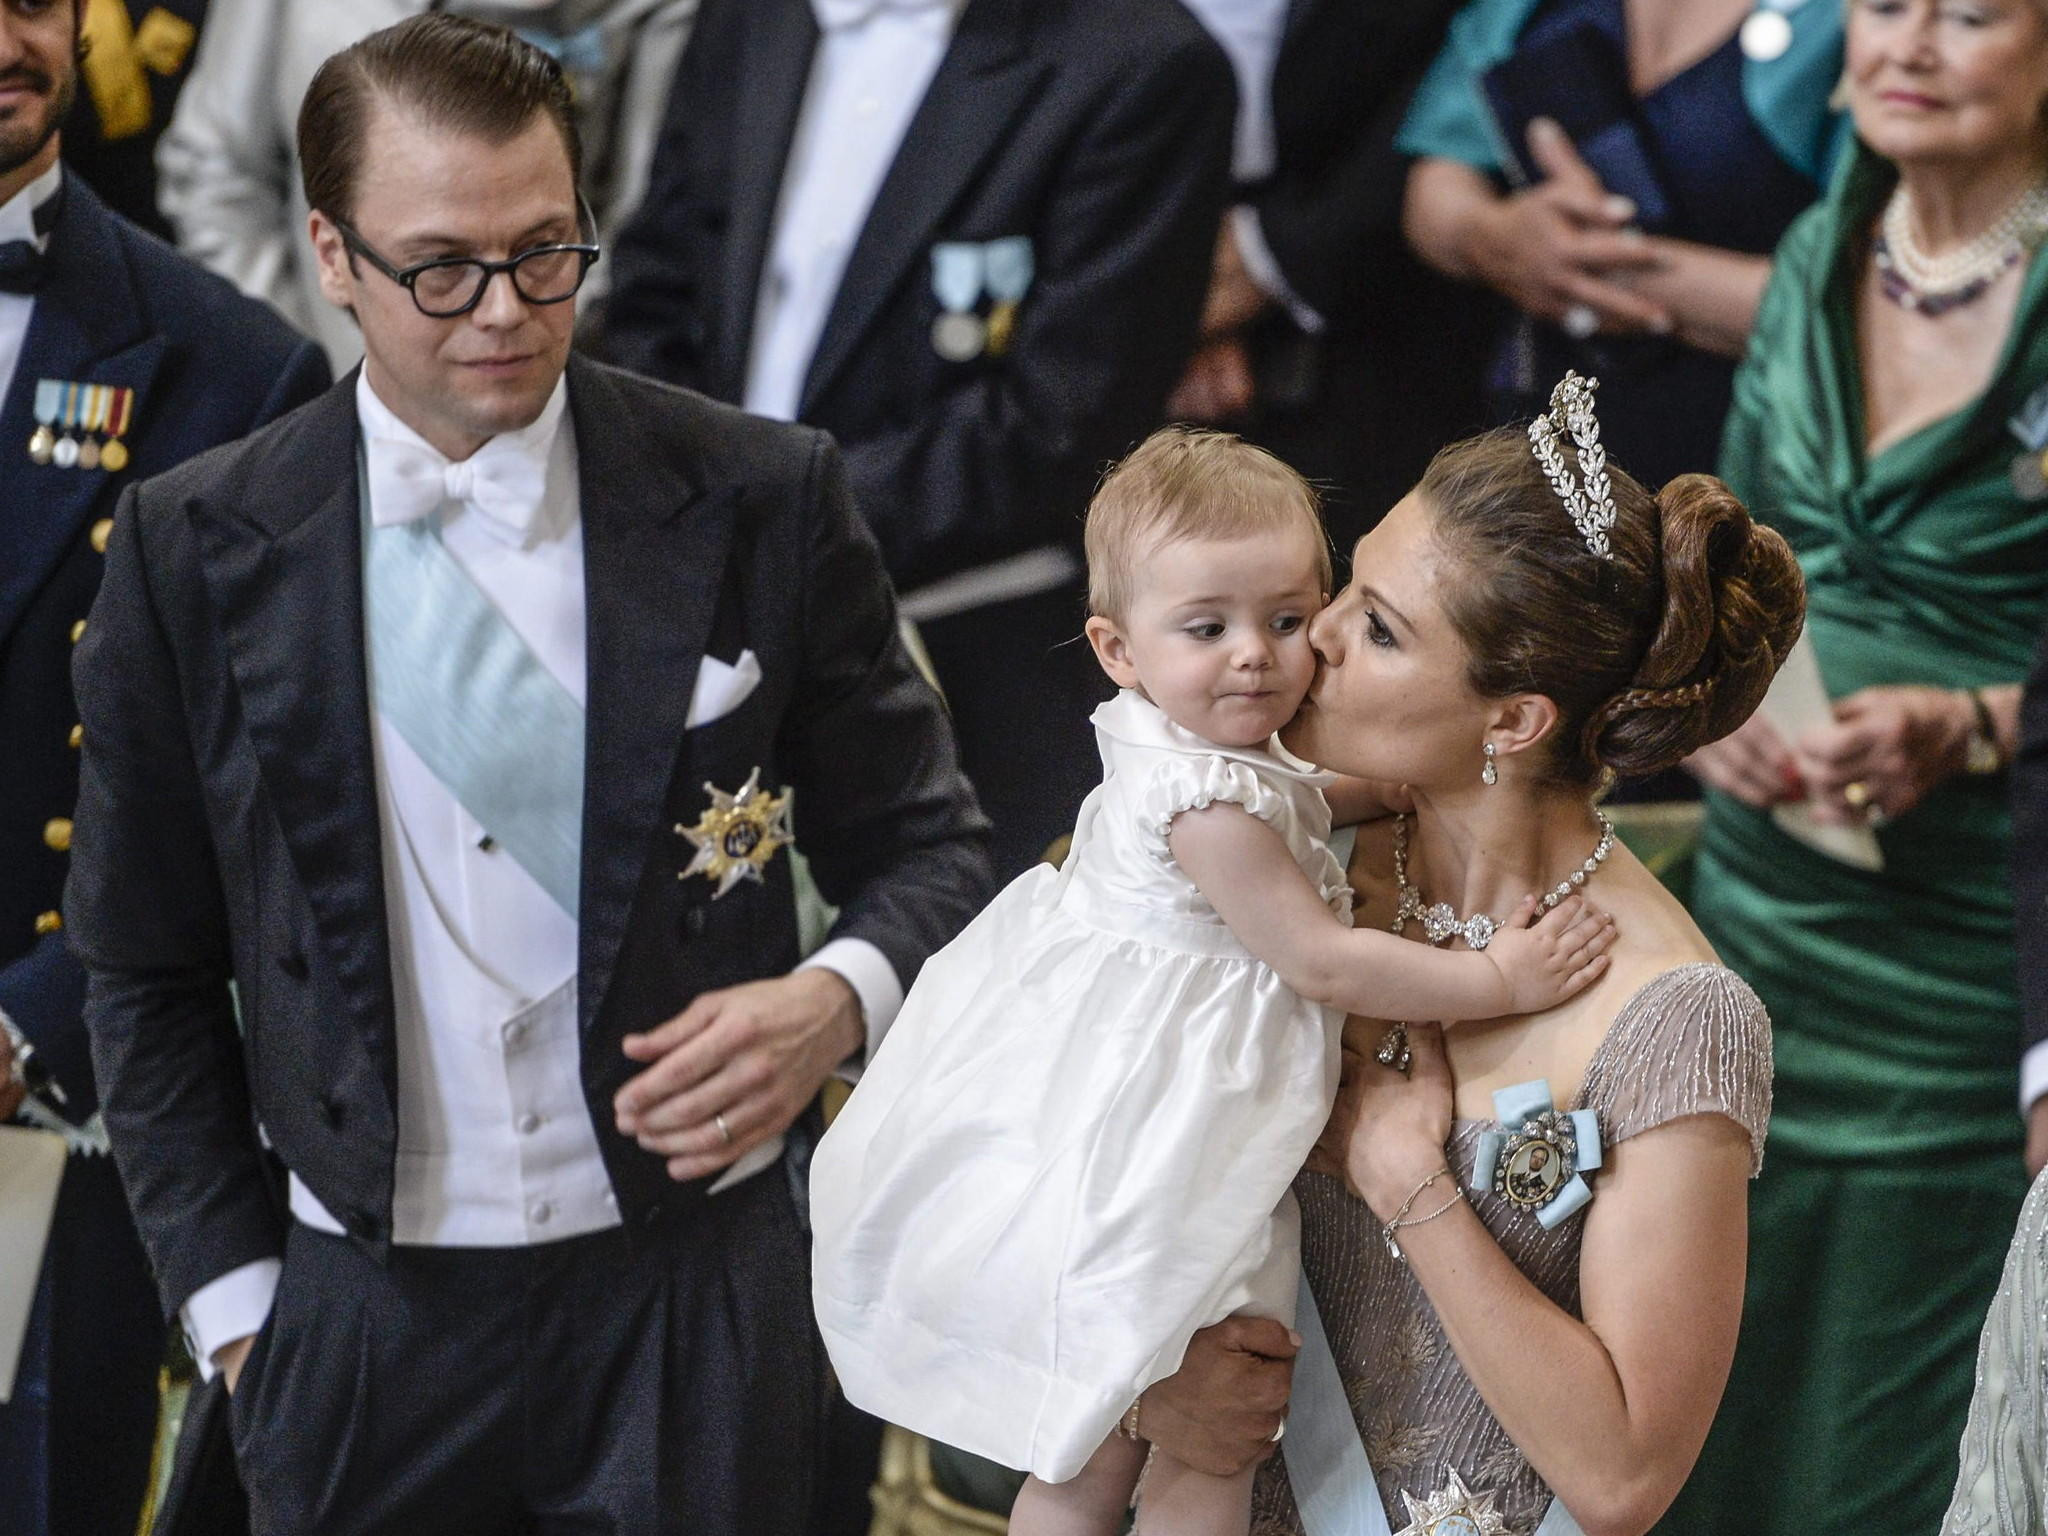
(118, 359)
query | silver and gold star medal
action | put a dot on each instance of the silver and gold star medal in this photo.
(1455, 1511)
(737, 836)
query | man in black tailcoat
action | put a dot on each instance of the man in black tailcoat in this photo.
(462, 721)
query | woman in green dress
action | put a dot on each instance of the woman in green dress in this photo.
(1891, 420)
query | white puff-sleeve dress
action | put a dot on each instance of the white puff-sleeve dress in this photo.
(1074, 1147)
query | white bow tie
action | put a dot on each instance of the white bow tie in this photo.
(836, 15)
(504, 481)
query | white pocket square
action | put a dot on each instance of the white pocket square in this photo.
(722, 686)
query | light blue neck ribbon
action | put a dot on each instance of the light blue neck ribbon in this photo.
(1332, 1477)
(459, 684)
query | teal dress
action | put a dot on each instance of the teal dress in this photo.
(1879, 1223)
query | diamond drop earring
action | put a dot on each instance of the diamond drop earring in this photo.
(1489, 774)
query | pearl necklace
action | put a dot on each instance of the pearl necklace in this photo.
(1441, 923)
(1933, 285)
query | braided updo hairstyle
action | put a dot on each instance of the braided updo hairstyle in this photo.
(1648, 655)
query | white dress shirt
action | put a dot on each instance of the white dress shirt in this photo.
(495, 1143)
(872, 67)
(18, 222)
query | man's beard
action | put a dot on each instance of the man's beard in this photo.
(18, 146)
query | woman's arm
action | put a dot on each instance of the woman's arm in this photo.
(1244, 869)
(1611, 1411)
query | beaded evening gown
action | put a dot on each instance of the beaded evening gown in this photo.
(1694, 1040)
(2002, 1486)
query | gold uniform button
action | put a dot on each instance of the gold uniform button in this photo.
(57, 834)
(77, 737)
(101, 532)
(78, 631)
(48, 923)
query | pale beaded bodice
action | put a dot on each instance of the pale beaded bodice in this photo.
(1694, 1040)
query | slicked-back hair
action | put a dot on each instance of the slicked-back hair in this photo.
(1190, 483)
(450, 72)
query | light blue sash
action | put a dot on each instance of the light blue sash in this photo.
(488, 720)
(1334, 1486)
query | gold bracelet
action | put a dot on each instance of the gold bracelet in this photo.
(1127, 1426)
(1401, 1218)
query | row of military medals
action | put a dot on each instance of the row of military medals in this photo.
(89, 410)
(962, 271)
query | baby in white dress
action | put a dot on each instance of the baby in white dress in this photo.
(1074, 1148)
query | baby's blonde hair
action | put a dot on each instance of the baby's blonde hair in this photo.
(1190, 483)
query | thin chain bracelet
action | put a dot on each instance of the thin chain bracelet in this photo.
(1401, 1218)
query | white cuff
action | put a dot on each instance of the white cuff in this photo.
(874, 982)
(2033, 1075)
(1264, 269)
(230, 1308)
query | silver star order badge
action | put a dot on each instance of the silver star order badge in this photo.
(737, 836)
(1456, 1511)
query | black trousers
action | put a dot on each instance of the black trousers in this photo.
(669, 1387)
(1021, 681)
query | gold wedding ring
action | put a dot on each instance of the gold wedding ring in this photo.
(1856, 795)
(724, 1130)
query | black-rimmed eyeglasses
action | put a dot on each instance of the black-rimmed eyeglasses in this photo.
(449, 286)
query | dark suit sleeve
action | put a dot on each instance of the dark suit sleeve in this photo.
(884, 814)
(42, 992)
(1006, 460)
(2030, 850)
(654, 317)
(148, 920)
(1331, 214)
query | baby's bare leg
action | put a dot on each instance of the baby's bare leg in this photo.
(1091, 1503)
(1179, 1501)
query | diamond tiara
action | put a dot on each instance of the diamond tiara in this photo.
(1590, 497)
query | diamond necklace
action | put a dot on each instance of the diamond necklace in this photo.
(1933, 285)
(1441, 923)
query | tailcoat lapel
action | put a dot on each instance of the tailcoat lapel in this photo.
(655, 545)
(284, 570)
(985, 78)
(86, 327)
(780, 42)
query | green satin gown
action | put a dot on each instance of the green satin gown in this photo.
(1893, 1175)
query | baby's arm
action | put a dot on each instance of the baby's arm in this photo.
(1244, 869)
(1355, 800)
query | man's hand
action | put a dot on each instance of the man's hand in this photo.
(736, 1067)
(231, 1357)
(1219, 1412)
(12, 1092)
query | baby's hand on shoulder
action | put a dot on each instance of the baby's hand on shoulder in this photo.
(1544, 962)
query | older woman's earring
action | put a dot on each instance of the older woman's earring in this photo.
(1489, 774)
